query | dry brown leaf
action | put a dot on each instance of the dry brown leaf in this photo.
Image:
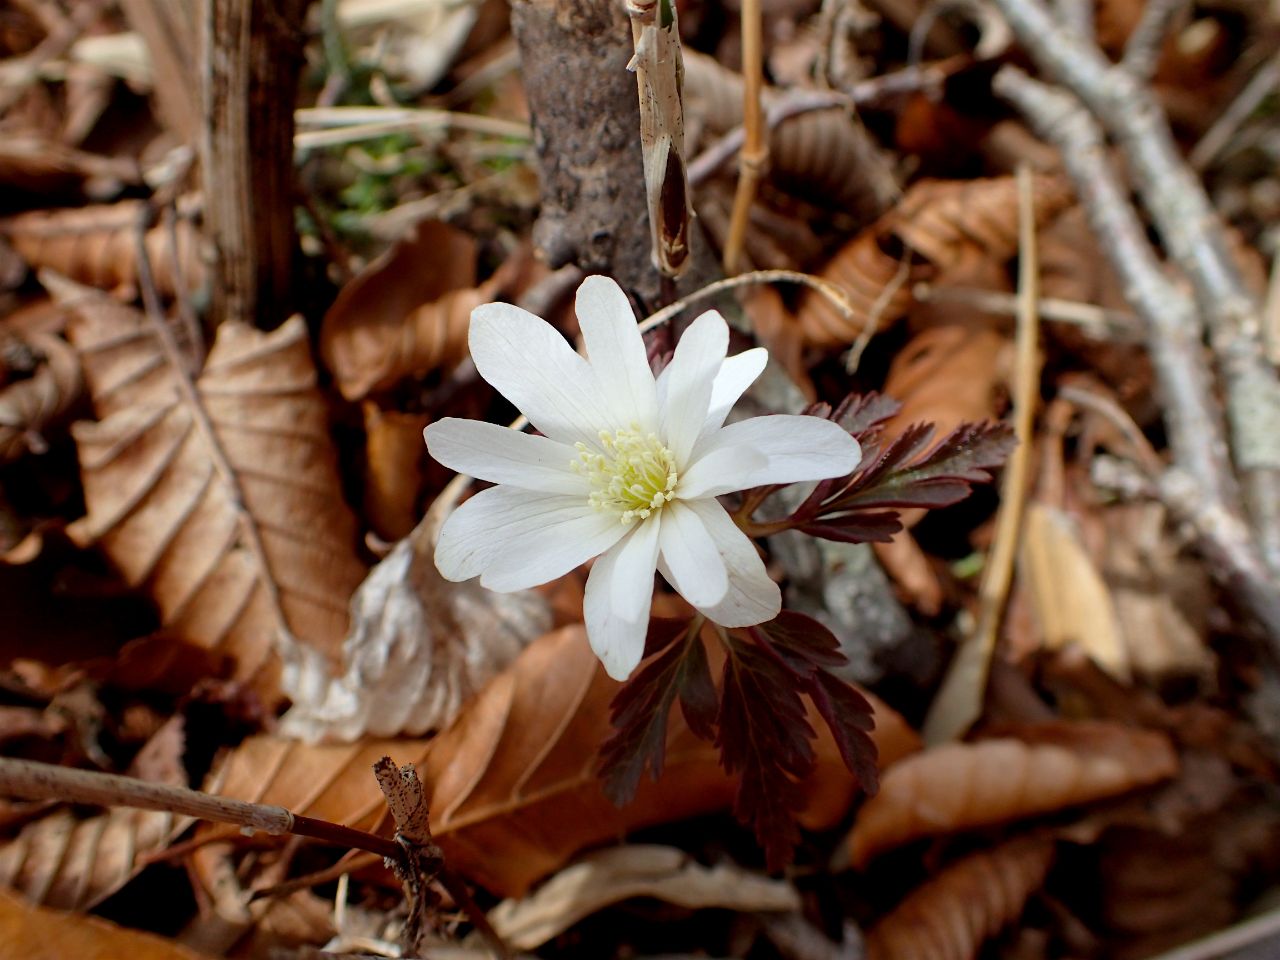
(71, 863)
(220, 499)
(951, 916)
(394, 452)
(34, 933)
(512, 783)
(635, 870)
(946, 376)
(407, 313)
(28, 406)
(950, 222)
(1160, 594)
(99, 246)
(960, 786)
(948, 229)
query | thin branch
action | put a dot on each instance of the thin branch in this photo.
(31, 780)
(1142, 52)
(1196, 240)
(926, 78)
(1259, 87)
(1100, 322)
(1173, 342)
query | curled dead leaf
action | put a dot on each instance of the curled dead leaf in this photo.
(960, 786)
(28, 406)
(513, 785)
(877, 281)
(394, 452)
(951, 916)
(99, 246)
(635, 870)
(220, 497)
(949, 222)
(946, 376)
(407, 313)
(419, 647)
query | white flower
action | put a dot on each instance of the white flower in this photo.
(628, 469)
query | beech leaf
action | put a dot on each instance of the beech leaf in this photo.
(219, 496)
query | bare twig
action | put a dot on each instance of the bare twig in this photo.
(959, 701)
(1173, 339)
(423, 860)
(31, 780)
(1266, 80)
(1142, 52)
(1100, 322)
(755, 148)
(1196, 240)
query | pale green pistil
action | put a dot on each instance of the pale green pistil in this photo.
(634, 476)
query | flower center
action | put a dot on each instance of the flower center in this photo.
(634, 476)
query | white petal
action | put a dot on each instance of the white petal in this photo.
(617, 642)
(736, 374)
(719, 469)
(698, 358)
(795, 448)
(753, 597)
(534, 367)
(637, 558)
(616, 351)
(482, 529)
(695, 565)
(552, 551)
(500, 455)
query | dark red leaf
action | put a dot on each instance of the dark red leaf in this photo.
(699, 701)
(850, 718)
(765, 735)
(856, 527)
(862, 413)
(640, 711)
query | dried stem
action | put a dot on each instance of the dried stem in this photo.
(423, 860)
(1266, 80)
(1142, 52)
(1195, 238)
(1100, 322)
(31, 780)
(959, 701)
(755, 148)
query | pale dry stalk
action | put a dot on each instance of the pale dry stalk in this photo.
(754, 155)
(959, 701)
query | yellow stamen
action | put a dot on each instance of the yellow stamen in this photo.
(633, 477)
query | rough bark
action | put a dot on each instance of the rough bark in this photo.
(251, 55)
